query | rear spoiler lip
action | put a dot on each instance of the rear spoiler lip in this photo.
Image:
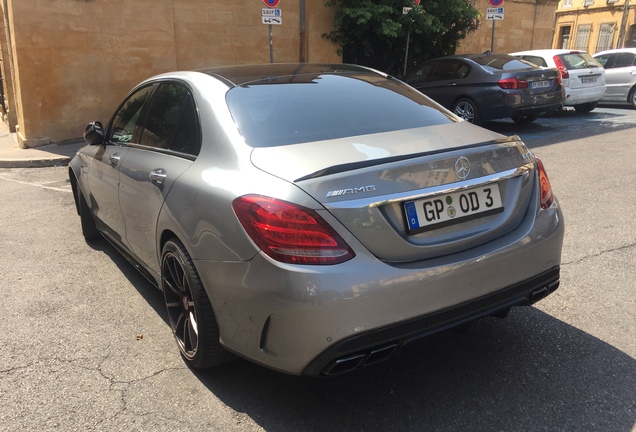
(369, 163)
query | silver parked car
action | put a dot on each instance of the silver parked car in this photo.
(620, 74)
(315, 218)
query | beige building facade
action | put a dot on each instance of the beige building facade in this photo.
(68, 62)
(527, 24)
(595, 25)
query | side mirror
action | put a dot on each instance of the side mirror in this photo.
(94, 133)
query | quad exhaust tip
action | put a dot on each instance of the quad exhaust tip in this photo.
(355, 361)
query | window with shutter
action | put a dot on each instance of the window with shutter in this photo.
(605, 37)
(582, 36)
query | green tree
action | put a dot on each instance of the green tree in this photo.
(374, 32)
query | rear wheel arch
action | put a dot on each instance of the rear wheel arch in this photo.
(631, 96)
(190, 313)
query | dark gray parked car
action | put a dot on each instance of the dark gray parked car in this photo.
(315, 218)
(483, 87)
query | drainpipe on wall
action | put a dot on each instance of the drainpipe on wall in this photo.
(536, 12)
(554, 27)
(304, 46)
(621, 33)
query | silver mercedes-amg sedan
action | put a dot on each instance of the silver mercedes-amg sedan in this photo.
(315, 218)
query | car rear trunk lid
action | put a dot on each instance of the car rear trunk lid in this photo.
(372, 182)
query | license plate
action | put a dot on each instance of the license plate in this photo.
(588, 80)
(540, 84)
(444, 210)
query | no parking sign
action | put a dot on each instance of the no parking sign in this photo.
(271, 3)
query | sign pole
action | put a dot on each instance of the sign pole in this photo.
(492, 37)
(406, 56)
(271, 16)
(271, 44)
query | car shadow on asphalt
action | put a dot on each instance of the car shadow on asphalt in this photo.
(567, 125)
(146, 289)
(528, 372)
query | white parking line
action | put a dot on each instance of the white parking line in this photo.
(41, 186)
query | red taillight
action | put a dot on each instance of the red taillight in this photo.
(561, 67)
(547, 197)
(290, 233)
(512, 83)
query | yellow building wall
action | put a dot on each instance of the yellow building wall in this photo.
(576, 13)
(526, 25)
(76, 59)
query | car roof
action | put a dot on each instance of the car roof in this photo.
(549, 52)
(282, 72)
(617, 50)
(472, 56)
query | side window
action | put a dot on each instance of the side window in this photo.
(625, 59)
(125, 121)
(187, 138)
(421, 75)
(462, 70)
(606, 60)
(445, 70)
(165, 110)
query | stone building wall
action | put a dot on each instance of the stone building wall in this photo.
(74, 60)
(527, 24)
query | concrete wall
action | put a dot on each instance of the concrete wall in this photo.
(527, 24)
(75, 60)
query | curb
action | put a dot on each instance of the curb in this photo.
(34, 163)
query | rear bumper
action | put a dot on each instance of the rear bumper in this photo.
(516, 102)
(308, 320)
(377, 345)
(583, 95)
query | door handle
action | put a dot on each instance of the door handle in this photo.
(158, 176)
(114, 159)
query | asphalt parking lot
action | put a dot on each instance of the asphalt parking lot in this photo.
(86, 345)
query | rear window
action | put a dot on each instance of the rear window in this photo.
(539, 61)
(579, 61)
(303, 108)
(494, 63)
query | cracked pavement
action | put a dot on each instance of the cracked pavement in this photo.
(85, 345)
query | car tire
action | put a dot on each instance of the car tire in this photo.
(585, 107)
(524, 119)
(632, 97)
(190, 313)
(467, 109)
(89, 230)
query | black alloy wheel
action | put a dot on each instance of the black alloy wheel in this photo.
(190, 313)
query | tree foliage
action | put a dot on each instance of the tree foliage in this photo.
(374, 32)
